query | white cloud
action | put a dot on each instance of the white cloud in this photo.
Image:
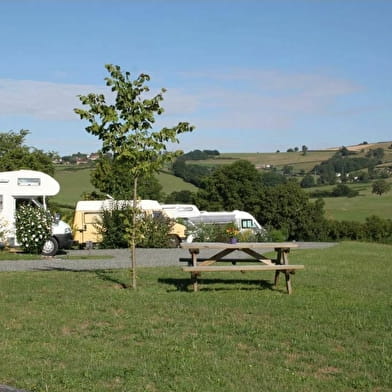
(252, 99)
(41, 100)
(241, 99)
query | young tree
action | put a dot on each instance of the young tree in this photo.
(126, 131)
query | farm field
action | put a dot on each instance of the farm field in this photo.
(332, 334)
(76, 180)
(359, 208)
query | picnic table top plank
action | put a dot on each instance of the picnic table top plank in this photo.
(272, 267)
(238, 245)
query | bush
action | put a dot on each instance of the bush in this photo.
(209, 233)
(33, 228)
(153, 231)
(112, 228)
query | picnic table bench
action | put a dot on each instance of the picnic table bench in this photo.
(280, 264)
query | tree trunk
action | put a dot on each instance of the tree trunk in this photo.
(133, 237)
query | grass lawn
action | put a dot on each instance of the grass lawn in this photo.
(360, 207)
(81, 331)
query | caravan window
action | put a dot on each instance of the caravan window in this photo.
(1, 203)
(29, 181)
(247, 224)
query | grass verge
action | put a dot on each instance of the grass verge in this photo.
(82, 331)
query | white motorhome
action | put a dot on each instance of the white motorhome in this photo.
(31, 186)
(88, 217)
(242, 219)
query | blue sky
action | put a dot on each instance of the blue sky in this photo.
(252, 76)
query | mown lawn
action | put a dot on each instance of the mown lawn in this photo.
(82, 331)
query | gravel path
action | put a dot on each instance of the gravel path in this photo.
(119, 258)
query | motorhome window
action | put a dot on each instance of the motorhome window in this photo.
(1, 202)
(29, 181)
(92, 218)
(247, 223)
(157, 214)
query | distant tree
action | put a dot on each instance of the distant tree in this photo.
(230, 187)
(304, 150)
(15, 154)
(290, 150)
(287, 170)
(380, 187)
(126, 131)
(376, 154)
(343, 190)
(181, 197)
(272, 178)
(287, 207)
(308, 181)
(296, 149)
(113, 177)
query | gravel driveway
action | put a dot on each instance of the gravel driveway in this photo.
(119, 258)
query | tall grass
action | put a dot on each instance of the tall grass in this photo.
(81, 331)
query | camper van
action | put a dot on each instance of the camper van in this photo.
(31, 186)
(88, 214)
(243, 220)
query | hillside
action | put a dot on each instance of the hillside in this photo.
(74, 180)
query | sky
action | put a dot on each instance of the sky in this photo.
(251, 76)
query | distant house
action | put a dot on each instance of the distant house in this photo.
(93, 156)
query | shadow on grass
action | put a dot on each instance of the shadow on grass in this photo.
(104, 275)
(184, 284)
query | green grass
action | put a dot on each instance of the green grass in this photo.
(172, 183)
(76, 179)
(81, 331)
(357, 208)
(5, 255)
(73, 182)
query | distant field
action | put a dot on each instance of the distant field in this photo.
(76, 180)
(360, 207)
(73, 182)
(295, 159)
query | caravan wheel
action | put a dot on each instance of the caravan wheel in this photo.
(174, 241)
(51, 247)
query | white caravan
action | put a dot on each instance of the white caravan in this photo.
(242, 219)
(22, 186)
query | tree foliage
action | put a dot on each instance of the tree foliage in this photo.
(15, 155)
(231, 187)
(380, 187)
(112, 177)
(287, 207)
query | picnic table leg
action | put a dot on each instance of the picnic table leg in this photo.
(276, 280)
(194, 276)
(282, 259)
(288, 282)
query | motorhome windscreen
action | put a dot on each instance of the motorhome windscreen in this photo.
(247, 224)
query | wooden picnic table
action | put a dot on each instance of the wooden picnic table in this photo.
(259, 262)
